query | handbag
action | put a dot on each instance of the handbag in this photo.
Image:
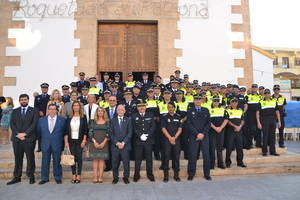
(67, 159)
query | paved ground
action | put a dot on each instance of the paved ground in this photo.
(265, 187)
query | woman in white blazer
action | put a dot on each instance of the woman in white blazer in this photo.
(90, 108)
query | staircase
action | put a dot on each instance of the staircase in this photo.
(287, 162)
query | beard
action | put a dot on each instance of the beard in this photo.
(24, 104)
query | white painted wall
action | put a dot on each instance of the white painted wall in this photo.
(46, 47)
(207, 44)
(263, 70)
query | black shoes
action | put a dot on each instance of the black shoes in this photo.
(274, 154)
(43, 182)
(14, 181)
(228, 165)
(190, 178)
(126, 181)
(264, 154)
(177, 179)
(151, 178)
(166, 179)
(242, 165)
(31, 181)
(208, 178)
(221, 166)
(107, 169)
(58, 181)
(136, 178)
(115, 181)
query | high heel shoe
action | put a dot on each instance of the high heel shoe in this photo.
(77, 181)
(73, 181)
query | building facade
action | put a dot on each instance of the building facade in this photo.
(52, 41)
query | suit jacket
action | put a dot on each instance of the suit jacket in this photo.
(83, 129)
(40, 103)
(108, 112)
(120, 134)
(82, 100)
(93, 111)
(143, 125)
(130, 108)
(198, 122)
(24, 125)
(55, 139)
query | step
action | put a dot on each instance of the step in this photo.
(8, 154)
(279, 168)
(250, 159)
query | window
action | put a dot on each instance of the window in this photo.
(275, 61)
(285, 62)
(297, 61)
(295, 83)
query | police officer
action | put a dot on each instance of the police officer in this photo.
(105, 81)
(181, 109)
(143, 127)
(171, 127)
(137, 94)
(104, 103)
(266, 121)
(82, 82)
(93, 88)
(66, 94)
(177, 76)
(130, 82)
(219, 119)
(74, 87)
(146, 83)
(250, 118)
(40, 104)
(121, 85)
(83, 98)
(158, 82)
(129, 102)
(198, 121)
(281, 102)
(234, 133)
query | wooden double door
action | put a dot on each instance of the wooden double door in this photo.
(127, 48)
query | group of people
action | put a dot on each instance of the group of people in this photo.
(134, 120)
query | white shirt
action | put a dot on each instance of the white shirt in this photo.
(26, 108)
(142, 114)
(49, 122)
(120, 119)
(75, 124)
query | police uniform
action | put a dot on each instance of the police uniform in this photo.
(198, 121)
(267, 113)
(95, 90)
(172, 124)
(120, 84)
(181, 109)
(234, 138)
(83, 99)
(216, 140)
(251, 121)
(82, 83)
(281, 102)
(65, 98)
(130, 84)
(144, 128)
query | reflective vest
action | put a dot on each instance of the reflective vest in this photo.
(194, 92)
(280, 100)
(206, 105)
(130, 84)
(235, 113)
(103, 104)
(94, 91)
(163, 108)
(151, 103)
(217, 112)
(189, 98)
(253, 98)
(182, 106)
(183, 89)
(265, 104)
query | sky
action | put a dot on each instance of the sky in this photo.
(275, 23)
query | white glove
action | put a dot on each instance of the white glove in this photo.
(144, 137)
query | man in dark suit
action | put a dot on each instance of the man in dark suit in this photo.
(40, 104)
(198, 121)
(112, 113)
(23, 126)
(52, 129)
(146, 84)
(143, 128)
(130, 104)
(82, 82)
(120, 134)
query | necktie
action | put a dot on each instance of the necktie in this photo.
(51, 125)
(23, 112)
(120, 121)
(111, 114)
